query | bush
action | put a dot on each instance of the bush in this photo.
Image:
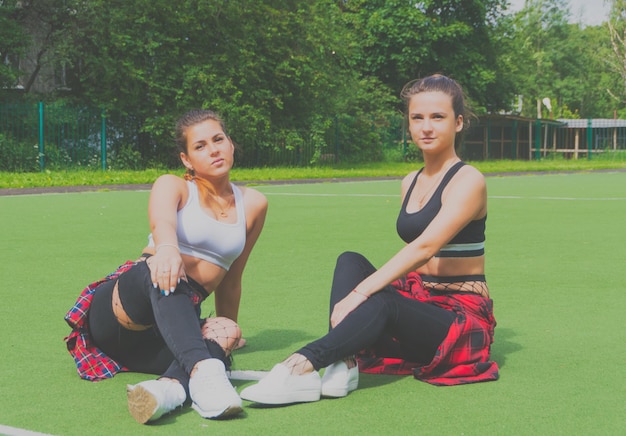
(18, 157)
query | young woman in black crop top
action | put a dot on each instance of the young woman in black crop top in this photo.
(425, 312)
(145, 317)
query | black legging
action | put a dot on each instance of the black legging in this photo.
(171, 347)
(418, 327)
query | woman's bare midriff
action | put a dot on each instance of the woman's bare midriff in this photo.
(207, 274)
(456, 266)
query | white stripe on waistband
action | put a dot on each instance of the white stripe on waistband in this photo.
(464, 247)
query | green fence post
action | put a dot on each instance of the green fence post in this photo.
(336, 138)
(41, 137)
(103, 139)
(404, 141)
(486, 151)
(589, 138)
(538, 139)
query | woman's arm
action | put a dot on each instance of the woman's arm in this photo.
(166, 266)
(228, 292)
(463, 200)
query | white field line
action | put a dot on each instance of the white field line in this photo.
(505, 197)
(12, 431)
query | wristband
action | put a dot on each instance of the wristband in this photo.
(167, 245)
(360, 293)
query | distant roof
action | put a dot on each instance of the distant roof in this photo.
(595, 123)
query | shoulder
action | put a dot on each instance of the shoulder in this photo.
(407, 180)
(170, 180)
(470, 175)
(253, 199)
(468, 185)
(170, 186)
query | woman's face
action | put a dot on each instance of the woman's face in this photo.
(432, 122)
(210, 153)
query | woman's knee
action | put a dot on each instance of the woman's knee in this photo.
(355, 265)
(223, 331)
(350, 258)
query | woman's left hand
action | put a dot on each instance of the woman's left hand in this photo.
(345, 306)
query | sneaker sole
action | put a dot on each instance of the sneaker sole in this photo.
(339, 392)
(229, 412)
(141, 404)
(300, 397)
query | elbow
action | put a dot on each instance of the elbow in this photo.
(422, 253)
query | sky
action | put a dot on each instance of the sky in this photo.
(589, 12)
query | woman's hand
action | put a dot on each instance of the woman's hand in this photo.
(345, 306)
(166, 269)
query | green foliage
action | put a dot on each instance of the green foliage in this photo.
(318, 79)
(13, 42)
(567, 63)
(18, 156)
(399, 41)
(388, 168)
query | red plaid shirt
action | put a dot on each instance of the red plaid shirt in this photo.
(91, 363)
(463, 356)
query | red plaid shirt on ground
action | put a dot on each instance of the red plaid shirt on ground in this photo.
(91, 363)
(463, 357)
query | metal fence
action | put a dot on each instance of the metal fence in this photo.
(34, 137)
(511, 137)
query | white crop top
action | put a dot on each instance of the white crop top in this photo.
(202, 236)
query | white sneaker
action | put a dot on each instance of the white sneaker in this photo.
(211, 392)
(338, 380)
(280, 387)
(151, 399)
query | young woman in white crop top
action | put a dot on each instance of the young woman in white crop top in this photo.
(145, 317)
(427, 310)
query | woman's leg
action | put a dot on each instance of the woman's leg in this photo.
(379, 319)
(175, 334)
(178, 323)
(418, 328)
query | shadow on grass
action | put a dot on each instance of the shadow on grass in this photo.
(503, 345)
(274, 339)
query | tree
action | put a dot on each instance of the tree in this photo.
(13, 43)
(402, 40)
(617, 31)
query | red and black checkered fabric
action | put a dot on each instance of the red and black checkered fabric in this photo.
(91, 363)
(463, 357)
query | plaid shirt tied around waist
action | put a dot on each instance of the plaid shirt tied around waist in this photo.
(463, 356)
(91, 363)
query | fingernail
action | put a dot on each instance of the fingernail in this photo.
(164, 292)
(155, 285)
(172, 289)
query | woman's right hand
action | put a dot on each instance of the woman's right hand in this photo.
(345, 306)
(166, 269)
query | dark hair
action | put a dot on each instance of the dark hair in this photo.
(192, 118)
(440, 83)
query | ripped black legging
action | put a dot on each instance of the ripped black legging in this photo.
(418, 327)
(171, 347)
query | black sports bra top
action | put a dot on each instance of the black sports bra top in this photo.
(470, 241)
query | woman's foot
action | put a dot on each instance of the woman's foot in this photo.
(340, 378)
(212, 393)
(151, 399)
(280, 386)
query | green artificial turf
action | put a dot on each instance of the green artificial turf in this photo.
(555, 265)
